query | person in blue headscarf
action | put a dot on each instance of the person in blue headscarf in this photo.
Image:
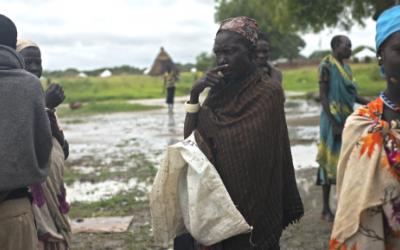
(368, 174)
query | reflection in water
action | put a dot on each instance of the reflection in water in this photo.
(171, 129)
(114, 141)
(304, 155)
(301, 108)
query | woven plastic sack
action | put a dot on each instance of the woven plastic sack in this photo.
(188, 195)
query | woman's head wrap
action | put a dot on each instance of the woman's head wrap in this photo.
(242, 25)
(22, 44)
(8, 32)
(387, 24)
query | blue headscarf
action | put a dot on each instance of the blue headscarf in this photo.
(387, 24)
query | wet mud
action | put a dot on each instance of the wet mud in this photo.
(114, 158)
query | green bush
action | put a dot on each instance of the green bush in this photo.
(367, 77)
(119, 87)
(127, 87)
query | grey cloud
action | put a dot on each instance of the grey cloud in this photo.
(84, 57)
(86, 39)
(28, 1)
(208, 2)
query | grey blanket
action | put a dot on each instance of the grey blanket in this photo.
(25, 136)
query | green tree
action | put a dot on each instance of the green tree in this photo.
(185, 67)
(315, 15)
(283, 42)
(282, 19)
(205, 61)
(319, 54)
(305, 15)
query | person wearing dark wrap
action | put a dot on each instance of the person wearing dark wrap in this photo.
(49, 203)
(241, 128)
(263, 52)
(54, 94)
(25, 143)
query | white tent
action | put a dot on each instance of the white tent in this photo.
(280, 60)
(106, 73)
(365, 53)
(82, 74)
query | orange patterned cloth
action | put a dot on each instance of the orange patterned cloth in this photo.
(368, 183)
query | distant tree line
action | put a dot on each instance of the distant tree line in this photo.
(119, 70)
(283, 19)
(185, 67)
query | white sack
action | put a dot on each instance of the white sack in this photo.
(189, 195)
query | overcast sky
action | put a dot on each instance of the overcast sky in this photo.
(87, 34)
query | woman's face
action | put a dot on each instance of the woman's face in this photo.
(390, 53)
(230, 48)
(262, 53)
(33, 60)
(344, 48)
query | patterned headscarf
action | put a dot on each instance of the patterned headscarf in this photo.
(387, 24)
(242, 25)
(22, 44)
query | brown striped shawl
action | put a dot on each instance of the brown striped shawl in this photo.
(246, 138)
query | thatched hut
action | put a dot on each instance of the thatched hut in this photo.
(161, 63)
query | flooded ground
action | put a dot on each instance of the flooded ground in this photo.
(113, 159)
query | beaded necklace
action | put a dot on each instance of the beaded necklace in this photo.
(389, 103)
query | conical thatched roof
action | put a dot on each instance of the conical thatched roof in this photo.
(162, 61)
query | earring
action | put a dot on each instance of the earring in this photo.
(393, 80)
(380, 60)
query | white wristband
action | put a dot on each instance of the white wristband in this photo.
(192, 108)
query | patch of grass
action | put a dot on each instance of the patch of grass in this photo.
(305, 79)
(122, 204)
(105, 107)
(71, 175)
(102, 174)
(131, 166)
(120, 87)
(74, 121)
(137, 238)
(126, 87)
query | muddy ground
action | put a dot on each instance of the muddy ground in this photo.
(115, 157)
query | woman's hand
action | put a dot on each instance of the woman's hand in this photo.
(212, 79)
(54, 95)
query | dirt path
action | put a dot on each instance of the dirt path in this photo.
(310, 233)
(115, 157)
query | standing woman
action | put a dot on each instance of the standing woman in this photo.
(338, 95)
(368, 179)
(25, 143)
(170, 79)
(241, 128)
(49, 203)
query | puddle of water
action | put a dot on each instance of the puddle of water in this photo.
(301, 108)
(113, 141)
(89, 192)
(306, 133)
(304, 156)
(85, 170)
